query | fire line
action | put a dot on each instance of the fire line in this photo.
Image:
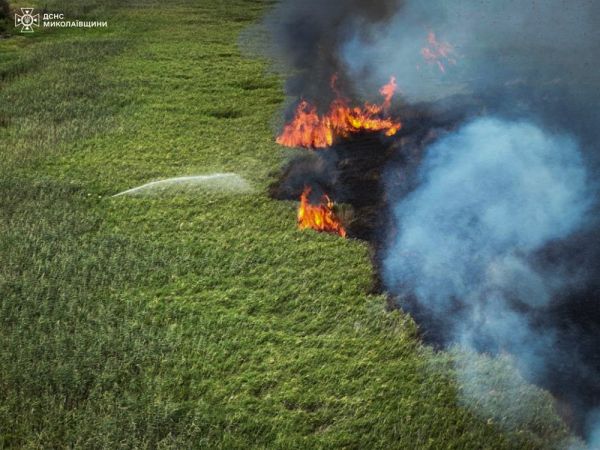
(309, 129)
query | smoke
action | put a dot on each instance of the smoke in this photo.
(523, 57)
(491, 194)
(307, 38)
(467, 262)
(594, 425)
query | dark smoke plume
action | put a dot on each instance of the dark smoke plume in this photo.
(308, 38)
(491, 226)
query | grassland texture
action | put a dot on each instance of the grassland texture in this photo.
(195, 319)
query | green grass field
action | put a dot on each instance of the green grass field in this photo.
(194, 319)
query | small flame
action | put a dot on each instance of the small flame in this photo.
(439, 53)
(319, 217)
(310, 130)
(387, 91)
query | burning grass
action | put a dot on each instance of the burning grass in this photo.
(309, 129)
(201, 320)
(319, 217)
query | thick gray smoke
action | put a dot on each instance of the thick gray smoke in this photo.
(497, 245)
(308, 37)
(469, 255)
(523, 57)
(491, 195)
(492, 251)
(493, 41)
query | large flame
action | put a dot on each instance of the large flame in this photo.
(319, 217)
(309, 129)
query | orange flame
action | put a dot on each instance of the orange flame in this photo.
(439, 53)
(318, 217)
(310, 130)
(387, 91)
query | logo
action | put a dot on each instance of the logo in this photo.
(27, 20)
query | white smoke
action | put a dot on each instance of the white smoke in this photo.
(490, 195)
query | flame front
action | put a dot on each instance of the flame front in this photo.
(309, 129)
(319, 217)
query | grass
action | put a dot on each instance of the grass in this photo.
(197, 319)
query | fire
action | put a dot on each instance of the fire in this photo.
(319, 217)
(439, 53)
(309, 129)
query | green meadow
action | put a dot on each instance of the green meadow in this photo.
(196, 318)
